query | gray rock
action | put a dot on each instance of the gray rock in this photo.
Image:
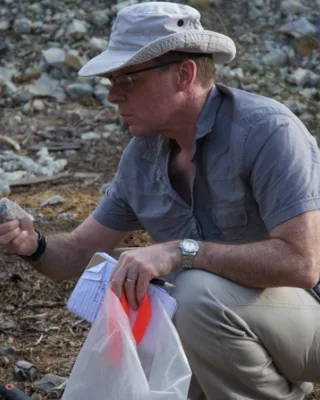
(4, 26)
(76, 30)
(22, 26)
(299, 28)
(90, 136)
(292, 7)
(4, 184)
(100, 18)
(254, 13)
(10, 210)
(38, 105)
(54, 57)
(46, 86)
(53, 200)
(76, 90)
(24, 370)
(51, 384)
(20, 97)
(276, 57)
(259, 3)
(6, 351)
(299, 77)
(67, 217)
(98, 43)
(101, 93)
(9, 88)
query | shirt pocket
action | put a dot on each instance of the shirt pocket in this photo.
(232, 220)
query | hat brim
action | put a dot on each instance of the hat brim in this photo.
(220, 46)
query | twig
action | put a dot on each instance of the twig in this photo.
(35, 181)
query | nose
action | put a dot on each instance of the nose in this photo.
(115, 94)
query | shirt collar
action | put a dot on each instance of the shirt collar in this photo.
(208, 114)
(206, 120)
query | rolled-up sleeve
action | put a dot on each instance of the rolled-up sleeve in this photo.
(114, 210)
(284, 163)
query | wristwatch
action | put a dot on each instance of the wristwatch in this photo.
(189, 249)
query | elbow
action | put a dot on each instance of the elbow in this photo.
(309, 276)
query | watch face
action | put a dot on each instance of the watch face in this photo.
(190, 245)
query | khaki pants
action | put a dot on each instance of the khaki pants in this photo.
(245, 343)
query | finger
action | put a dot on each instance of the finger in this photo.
(8, 237)
(130, 290)
(141, 288)
(117, 281)
(8, 226)
(20, 240)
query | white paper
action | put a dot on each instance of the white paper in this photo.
(88, 294)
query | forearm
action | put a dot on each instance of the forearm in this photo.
(262, 264)
(63, 258)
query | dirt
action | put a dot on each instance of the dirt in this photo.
(34, 321)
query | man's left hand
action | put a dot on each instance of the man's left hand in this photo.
(136, 268)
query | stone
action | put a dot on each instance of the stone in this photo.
(100, 18)
(299, 77)
(53, 200)
(10, 210)
(101, 93)
(38, 105)
(292, 7)
(51, 383)
(4, 26)
(4, 185)
(73, 60)
(25, 371)
(276, 57)
(6, 351)
(54, 57)
(76, 30)
(22, 26)
(79, 90)
(98, 43)
(299, 28)
(90, 136)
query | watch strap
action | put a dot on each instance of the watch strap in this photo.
(42, 245)
(187, 261)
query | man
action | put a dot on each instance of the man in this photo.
(238, 176)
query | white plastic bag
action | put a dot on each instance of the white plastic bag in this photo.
(111, 366)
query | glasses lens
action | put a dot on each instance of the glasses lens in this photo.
(124, 80)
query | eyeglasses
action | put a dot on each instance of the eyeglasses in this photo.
(125, 80)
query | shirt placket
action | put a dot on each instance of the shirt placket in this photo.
(196, 227)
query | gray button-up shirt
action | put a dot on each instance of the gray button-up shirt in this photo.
(254, 166)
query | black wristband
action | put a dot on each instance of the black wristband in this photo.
(42, 245)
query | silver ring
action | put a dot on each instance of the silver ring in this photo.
(131, 280)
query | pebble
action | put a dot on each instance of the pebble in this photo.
(6, 351)
(292, 7)
(54, 57)
(22, 26)
(51, 383)
(299, 77)
(76, 30)
(38, 105)
(25, 371)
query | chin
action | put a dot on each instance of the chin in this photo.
(138, 131)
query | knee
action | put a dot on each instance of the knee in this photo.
(198, 305)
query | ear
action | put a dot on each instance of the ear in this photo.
(187, 74)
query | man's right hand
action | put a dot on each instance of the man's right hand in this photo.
(19, 237)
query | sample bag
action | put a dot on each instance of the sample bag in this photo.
(130, 356)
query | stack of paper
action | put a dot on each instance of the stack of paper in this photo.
(88, 294)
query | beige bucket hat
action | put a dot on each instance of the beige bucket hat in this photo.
(145, 31)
